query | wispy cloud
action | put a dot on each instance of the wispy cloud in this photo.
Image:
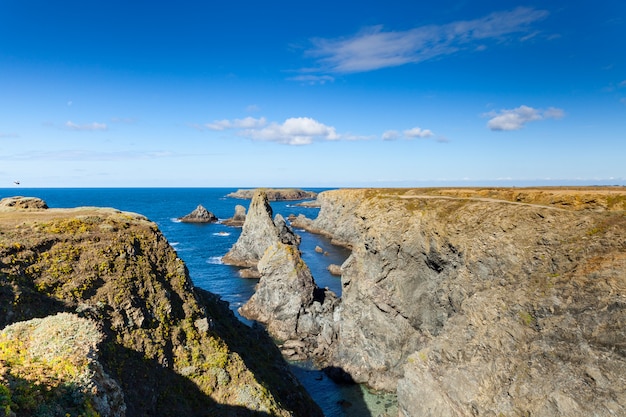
(253, 108)
(515, 119)
(313, 79)
(86, 127)
(418, 132)
(246, 123)
(84, 155)
(374, 48)
(413, 133)
(126, 120)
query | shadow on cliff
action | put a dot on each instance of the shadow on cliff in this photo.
(152, 390)
(149, 388)
(260, 354)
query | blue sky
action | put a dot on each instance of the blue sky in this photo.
(326, 94)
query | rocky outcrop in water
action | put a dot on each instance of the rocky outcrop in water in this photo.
(275, 194)
(289, 302)
(199, 215)
(172, 348)
(258, 233)
(238, 218)
(483, 302)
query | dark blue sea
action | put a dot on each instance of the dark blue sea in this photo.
(201, 247)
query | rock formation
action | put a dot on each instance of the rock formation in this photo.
(199, 215)
(483, 301)
(22, 203)
(290, 303)
(172, 348)
(258, 233)
(275, 194)
(238, 218)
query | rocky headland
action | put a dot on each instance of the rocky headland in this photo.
(469, 302)
(144, 341)
(238, 219)
(275, 194)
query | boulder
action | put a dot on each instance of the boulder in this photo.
(334, 269)
(238, 218)
(22, 203)
(199, 215)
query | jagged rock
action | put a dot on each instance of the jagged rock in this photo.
(472, 302)
(258, 233)
(318, 249)
(289, 302)
(251, 272)
(199, 215)
(238, 218)
(22, 203)
(275, 194)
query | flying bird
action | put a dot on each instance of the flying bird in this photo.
(16, 182)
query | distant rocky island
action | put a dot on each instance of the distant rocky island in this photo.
(464, 302)
(275, 194)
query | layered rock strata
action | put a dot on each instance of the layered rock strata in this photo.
(172, 348)
(483, 301)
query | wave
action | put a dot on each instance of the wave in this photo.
(175, 220)
(221, 234)
(215, 260)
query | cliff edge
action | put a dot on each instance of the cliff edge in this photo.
(483, 301)
(172, 348)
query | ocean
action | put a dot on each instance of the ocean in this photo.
(201, 247)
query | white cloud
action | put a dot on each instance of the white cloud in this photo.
(313, 79)
(86, 127)
(245, 123)
(374, 48)
(391, 135)
(294, 131)
(418, 132)
(515, 119)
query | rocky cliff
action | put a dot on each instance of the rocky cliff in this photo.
(483, 301)
(173, 349)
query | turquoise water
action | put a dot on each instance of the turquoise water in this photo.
(201, 246)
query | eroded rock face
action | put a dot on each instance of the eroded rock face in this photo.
(474, 306)
(199, 215)
(290, 303)
(258, 233)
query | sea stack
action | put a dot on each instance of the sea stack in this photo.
(199, 215)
